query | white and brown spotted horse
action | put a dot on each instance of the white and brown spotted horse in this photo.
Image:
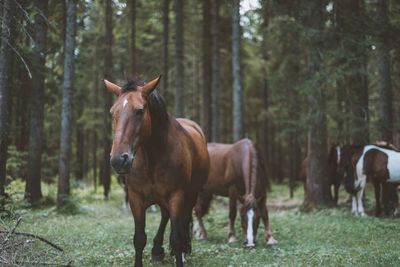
(237, 172)
(379, 164)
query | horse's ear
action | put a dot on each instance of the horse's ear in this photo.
(150, 86)
(112, 87)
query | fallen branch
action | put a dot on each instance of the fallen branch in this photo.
(38, 263)
(9, 233)
(37, 237)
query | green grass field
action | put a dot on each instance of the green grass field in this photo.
(100, 234)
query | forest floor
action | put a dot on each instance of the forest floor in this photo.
(99, 233)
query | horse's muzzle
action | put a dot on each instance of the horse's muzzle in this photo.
(122, 163)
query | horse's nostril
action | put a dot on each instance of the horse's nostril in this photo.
(125, 158)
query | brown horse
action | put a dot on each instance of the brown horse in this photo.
(236, 172)
(334, 176)
(164, 161)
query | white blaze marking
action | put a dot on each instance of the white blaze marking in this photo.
(125, 102)
(250, 237)
(338, 154)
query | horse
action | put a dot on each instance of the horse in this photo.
(334, 176)
(164, 161)
(378, 164)
(237, 172)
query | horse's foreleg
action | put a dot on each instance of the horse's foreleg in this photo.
(336, 193)
(354, 204)
(139, 238)
(360, 205)
(157, 252)
(267, 231)
(232, 217)
(177, 216)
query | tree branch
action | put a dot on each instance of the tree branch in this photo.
(37, 237)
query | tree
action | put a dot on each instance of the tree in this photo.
(65, 139)
(6, 68)
(165, 52)
(318, 188)
(236, 72)
(215, 66)
(33, 191)
(179, 78)
(132, 17)
(384, 79)
(207, 65)
(350, 23)
(105, 172)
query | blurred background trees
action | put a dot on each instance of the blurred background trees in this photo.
(267, 70)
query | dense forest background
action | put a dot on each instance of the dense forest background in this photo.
(294, 76)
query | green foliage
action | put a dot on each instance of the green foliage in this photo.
(15, 163)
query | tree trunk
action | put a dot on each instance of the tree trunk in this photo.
(132, 17)
(105, 171)
(80, 153)
(236, 72)
(206, 60)
(33, 191)
(384, 80)
(318, 189)
(6, 68)
(215, 83)
(179, 79)
(165, 52)
(65, 138)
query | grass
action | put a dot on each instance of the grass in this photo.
(100, 233)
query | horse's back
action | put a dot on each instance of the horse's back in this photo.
(227, 163)
(198, 151)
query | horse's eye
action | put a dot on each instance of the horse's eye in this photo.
(139, 112)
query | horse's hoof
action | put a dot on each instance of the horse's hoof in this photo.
(252, 245)
(232, 239)
(249, 245)
(272, 241)
(158, 257)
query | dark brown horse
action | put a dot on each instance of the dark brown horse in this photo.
(334, 176)
(164, 161)
(236, 171)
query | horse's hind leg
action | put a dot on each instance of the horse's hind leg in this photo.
(201, 208)
(377, 189)
(232, 217)
(157, 252)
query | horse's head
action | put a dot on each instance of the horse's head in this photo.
(250, 219)
(346, 168)
(131, 121)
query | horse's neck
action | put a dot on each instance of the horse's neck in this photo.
(159, 141)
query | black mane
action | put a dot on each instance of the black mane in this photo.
(132, 85)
